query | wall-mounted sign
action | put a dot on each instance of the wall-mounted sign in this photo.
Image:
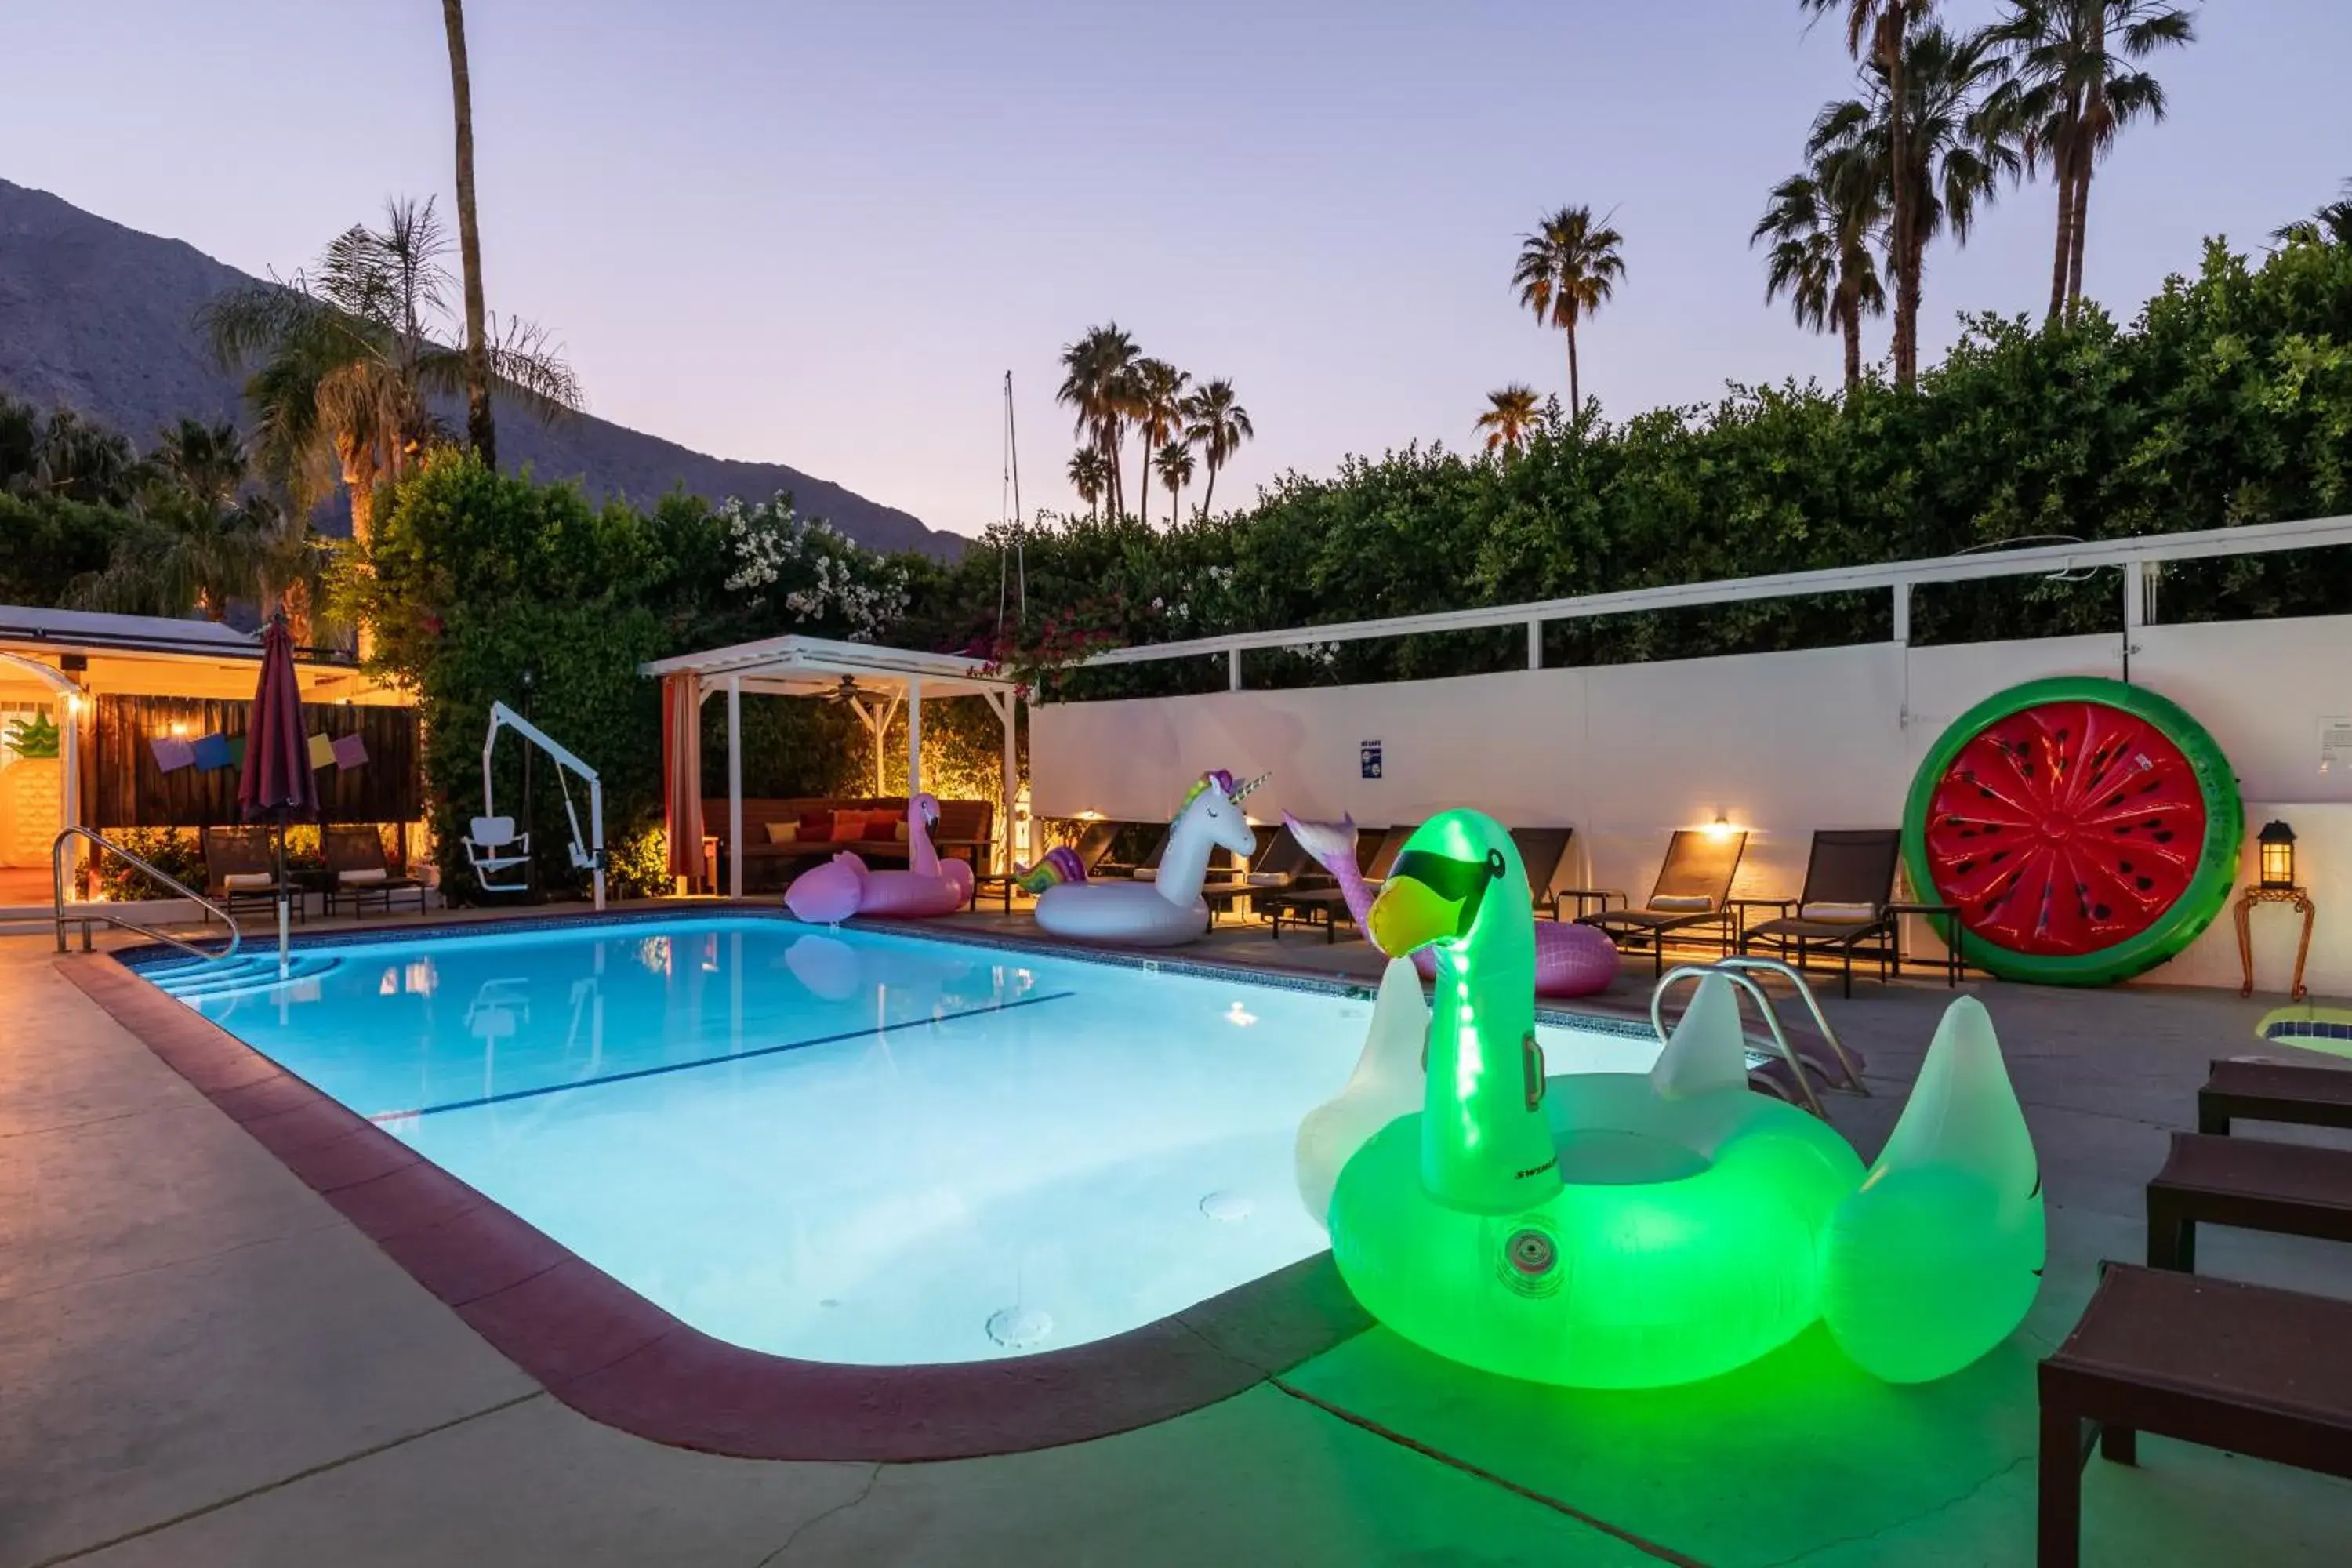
(1369, 751)
(2335, 745)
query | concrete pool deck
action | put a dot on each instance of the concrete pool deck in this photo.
(201, 1361)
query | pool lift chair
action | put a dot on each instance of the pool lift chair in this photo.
(499, 854)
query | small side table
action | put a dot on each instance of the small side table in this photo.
(1955, 936)
(2243, 911)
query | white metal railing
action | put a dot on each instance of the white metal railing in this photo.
(87, 915)
(2134, 555)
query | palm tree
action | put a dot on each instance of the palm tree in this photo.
(2070, 95)
(1875, 31)
(1158, 409)
(480, 435)
(203, 538)
(1097, 383)
(1958, 148)
(1215, 422)
(1566, 269)
(349, 359)
(1087, 477)
(71, 458)
(1175, 465)
(1824, 227)
(1510, 415)
(2331, 225)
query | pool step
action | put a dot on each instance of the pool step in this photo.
(254, 972)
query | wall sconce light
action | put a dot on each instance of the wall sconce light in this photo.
(1720, 828)
(2277, 843)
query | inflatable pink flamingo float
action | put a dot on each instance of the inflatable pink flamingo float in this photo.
(843, 886)
(1570, 960)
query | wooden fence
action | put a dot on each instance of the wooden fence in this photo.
(123, 787)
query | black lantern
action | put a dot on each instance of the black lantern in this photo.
(2278, 854)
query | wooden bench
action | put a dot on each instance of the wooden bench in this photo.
(2290, 1188)
(2212, 1361)
(2273, 1092)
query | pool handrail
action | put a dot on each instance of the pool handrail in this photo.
(88, 913)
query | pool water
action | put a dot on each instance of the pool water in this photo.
(847, 1146)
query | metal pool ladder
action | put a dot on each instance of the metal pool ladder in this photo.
(88, 915)
(1740, 969)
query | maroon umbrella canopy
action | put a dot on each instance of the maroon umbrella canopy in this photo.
(277, 782)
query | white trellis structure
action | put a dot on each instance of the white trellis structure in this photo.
(876, 681)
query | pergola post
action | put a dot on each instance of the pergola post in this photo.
(1007, 705)
(914, 736)
(734, 786)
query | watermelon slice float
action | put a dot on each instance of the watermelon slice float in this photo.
(2085, 830)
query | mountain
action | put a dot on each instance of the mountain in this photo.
(100, 318)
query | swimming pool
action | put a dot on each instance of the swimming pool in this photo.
(845, 1146)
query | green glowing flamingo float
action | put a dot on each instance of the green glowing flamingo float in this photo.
(1635, 1230)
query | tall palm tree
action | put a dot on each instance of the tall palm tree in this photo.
(1175, 465)
(1875, 32)
(1566, 269)
(1510, 415)
(1097, 384)
(1157, 408)
(1215, 422)
(1825, 228)
(2069, 95)
(2331, 225)
(1959, 151)
(480, 434)
(347, 360)
(1088, 477)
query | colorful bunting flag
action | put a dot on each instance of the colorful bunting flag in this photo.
(212, 751)
(322, 751)
(172, 754)
(351, 751)
(236, 751)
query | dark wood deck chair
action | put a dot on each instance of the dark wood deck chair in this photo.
(1541, 850)
(362, 872)
(1275, 867)
(1133, 845)
(241, 870)
(1092, 845)
(1849, 883)
(1693, 890)
(1328, 906)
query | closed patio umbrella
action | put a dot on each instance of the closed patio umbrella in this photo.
(277, 783)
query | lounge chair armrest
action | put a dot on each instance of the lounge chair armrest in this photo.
(1584, 896)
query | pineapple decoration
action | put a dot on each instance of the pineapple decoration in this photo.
(32, 792)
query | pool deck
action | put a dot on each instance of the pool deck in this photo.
(202, 1362)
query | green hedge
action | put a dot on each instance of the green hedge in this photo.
(2228, 401)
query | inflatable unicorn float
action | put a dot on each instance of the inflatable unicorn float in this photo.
(829, 894)
(1638, 1230)
(1168, 909)
(1570, 960)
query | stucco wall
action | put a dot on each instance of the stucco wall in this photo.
(1780, 743)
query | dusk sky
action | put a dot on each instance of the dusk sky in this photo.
(820, 233)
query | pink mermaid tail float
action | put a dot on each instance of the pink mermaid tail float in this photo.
(844, 886)
(1570, 960)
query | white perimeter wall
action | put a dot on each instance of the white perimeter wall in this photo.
(1780, 743)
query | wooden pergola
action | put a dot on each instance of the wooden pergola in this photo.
(876, 681)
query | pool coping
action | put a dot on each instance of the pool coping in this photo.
(613, 1355)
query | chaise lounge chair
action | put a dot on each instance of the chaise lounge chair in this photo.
(362, 872)
(1541, 850)
(1843, 909)
(1276, 869)
(1327, 907)
(1693, 889)
(241, 870)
